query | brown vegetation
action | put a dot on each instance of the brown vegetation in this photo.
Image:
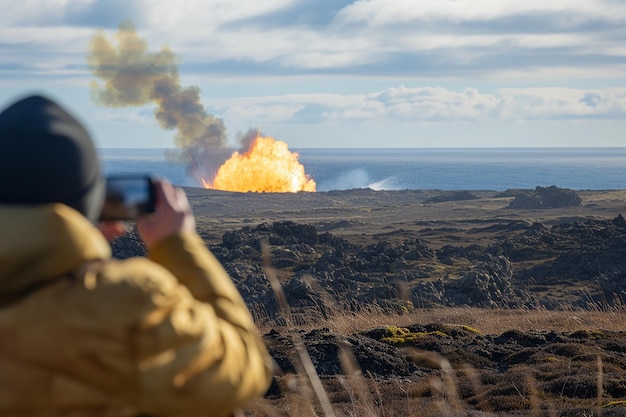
(444, 361)
(467, 360)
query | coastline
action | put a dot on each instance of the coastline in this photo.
(364, 213)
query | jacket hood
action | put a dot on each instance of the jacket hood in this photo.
(42, 242)
(47, 156)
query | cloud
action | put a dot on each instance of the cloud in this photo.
(200, 14)
(268, 113)
(44, 12)
(569, 103)
(59, 38)
(568, 12)
(124, 117)
(415, 105)
(409, 38)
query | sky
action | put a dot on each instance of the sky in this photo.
(341, 73)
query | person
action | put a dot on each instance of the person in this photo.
(84, 334)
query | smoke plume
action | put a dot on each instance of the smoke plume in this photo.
(131, 75)
(246, 139)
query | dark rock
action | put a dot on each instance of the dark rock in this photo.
(545, 197)
(453, 196)
(278, 233)
(323, 271)
(486, 285)
(619, 221)
(323, 347)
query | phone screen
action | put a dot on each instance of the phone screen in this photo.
(128, 197)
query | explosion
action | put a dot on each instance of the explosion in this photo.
(267, 166)
(131, 75)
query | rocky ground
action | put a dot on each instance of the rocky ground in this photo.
(402, 251)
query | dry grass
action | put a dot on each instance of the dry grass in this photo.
(353, 394)
(487, 321)
(305, 394)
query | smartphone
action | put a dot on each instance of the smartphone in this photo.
(128, 197)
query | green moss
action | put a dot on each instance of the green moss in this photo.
(587, 334)
(401, 335)
(618, 403)
(470, 329)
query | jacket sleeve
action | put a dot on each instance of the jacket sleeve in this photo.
(200, 352)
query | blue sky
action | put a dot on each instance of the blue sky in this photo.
(337, 73)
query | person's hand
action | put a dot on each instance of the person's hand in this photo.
(172, 215)
(111, 229)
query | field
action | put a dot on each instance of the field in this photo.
(552, 345)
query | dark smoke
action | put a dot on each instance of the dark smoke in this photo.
(131, 75)
(246, 139)
(204, 162)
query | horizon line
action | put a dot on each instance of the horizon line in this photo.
(403, 147)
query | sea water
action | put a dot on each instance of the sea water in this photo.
(495, 169)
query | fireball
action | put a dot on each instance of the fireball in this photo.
(267, 166)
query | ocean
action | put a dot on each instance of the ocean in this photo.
(495, 169)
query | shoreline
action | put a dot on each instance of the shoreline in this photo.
(362, 214)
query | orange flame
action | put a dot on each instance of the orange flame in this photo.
(267, 166)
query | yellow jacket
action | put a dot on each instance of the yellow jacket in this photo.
(82, 334)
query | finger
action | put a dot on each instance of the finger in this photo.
(183, 202)
(165, 195)
(159, 187)
(169, 194)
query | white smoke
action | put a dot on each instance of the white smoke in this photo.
(357, 178)
(385, 184)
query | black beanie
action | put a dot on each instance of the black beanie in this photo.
(47, 156)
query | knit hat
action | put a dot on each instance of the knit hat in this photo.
(47, 156)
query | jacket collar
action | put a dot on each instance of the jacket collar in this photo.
(41, 242)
